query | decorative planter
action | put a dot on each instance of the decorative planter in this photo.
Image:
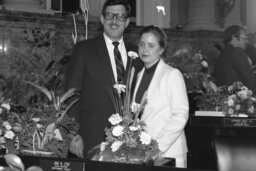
(209, 113)
(37, 153)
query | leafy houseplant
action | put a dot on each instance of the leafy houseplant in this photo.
(50, 129)
(193, 67)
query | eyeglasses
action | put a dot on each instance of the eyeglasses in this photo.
(119, 17)
(243, 36)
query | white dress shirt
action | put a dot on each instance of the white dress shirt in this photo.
(122, 50)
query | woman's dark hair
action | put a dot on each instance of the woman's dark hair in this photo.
(231, 31)
(117, 2)
(159, 33)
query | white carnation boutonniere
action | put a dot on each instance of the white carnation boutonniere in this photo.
(120, 88)
(133, 54)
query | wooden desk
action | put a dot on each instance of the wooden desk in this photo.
(201, 130)
(91, 165)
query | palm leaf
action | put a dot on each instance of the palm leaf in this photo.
(42, 89)
(65, 111)
(71, 92)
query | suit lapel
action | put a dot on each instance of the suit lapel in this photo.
(102, 54)
(154, 82)
(156, 79)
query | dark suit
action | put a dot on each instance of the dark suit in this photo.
(233, 65)
(90, 69)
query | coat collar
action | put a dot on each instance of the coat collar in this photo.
(154, 82)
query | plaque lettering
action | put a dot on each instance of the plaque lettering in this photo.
(239, 122)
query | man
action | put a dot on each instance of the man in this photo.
(233, 64)
(94, 69)
(251, 48)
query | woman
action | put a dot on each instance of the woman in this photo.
(166, 111)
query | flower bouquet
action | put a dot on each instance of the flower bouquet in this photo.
(10, 128)
(49, 129)
(126, 140)
(235, 100)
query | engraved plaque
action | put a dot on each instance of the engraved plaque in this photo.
(61, 165)
(239, 122)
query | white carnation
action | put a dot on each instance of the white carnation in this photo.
(9, 135)
(204, 64)
(133, 54)
(134, 128)
(120, 88)
(115, 119)
(7, 125)
(231, 102)
(6, 106)
(230, 88)
(135, 107)
(118, 131)
(36, 119)
(116, 145)
(244, 94)
(145, 138)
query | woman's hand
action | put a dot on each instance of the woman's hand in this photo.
(77, 146)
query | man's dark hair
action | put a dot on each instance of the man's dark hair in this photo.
(233, 30)
(117, 2)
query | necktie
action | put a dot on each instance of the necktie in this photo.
(119, 64)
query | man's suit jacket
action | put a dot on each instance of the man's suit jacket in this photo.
(166, 111)
(233, 65)
(90, 69)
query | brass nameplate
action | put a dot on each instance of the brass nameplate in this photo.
(239, 122)
(60, 165)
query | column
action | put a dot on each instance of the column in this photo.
(250, 15)
(153, 12)
(234, 15)
(201, 15)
